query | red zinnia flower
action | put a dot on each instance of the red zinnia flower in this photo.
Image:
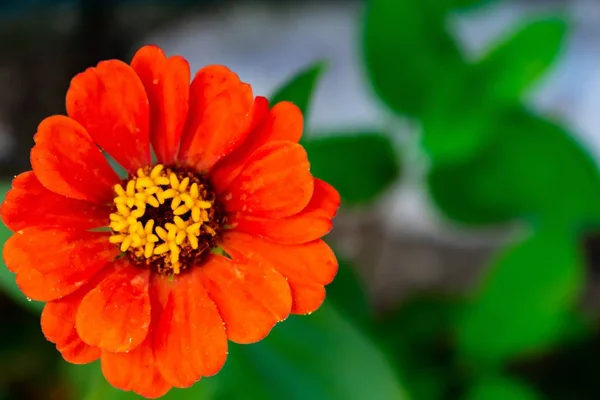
(218, 239)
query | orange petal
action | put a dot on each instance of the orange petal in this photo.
(190, 340)
(308, 297)
(66, 161)
(52, 263)
(228, 168)
(251, 297)
(283, 122)
(135, 371)
(309, 224)
(306, 266)
(28, 203)
(111, 103)
(58, 325)
(57, 250)
(44, 287)
(167, 83)
(120, 304)
(219, 117)
(275, 183)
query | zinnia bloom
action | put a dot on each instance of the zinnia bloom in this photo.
(215, 237)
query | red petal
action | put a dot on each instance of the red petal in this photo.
(120, 304)
(58, 325)
(219, 117)
(227, 169)
(111, 103)
(44, 287)
(66, 161)
(283, 122)
(28, 203)
(190, 340)
(275, 183)
(167, 83)
(305, 266)
(309, 224)
(251, 298)
(51, 263)
(135, 371)
(308, 297)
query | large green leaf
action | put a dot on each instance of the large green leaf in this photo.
(459, 120)
(300, 88)
(533, 168)
(522, 57)
(317, 357)
(407, 51)
(7, 278)
(467, 110)
(467, 3)
(502, 388)
(524, 301)
(359, 165)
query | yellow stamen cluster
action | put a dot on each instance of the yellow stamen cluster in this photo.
(154, 188)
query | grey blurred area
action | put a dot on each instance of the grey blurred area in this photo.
(400, 244)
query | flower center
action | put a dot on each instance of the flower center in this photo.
(165, 218)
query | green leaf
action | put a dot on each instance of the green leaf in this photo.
(533, 168)
(502, 388)
(300, 88)
(461, 4)
(359, 165)
(407, 51)
(317, 357)
(524, 300)
(7, 278)
(521, 58)
(459, 120)
(466, 110)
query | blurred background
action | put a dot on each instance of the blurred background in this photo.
(464, 138)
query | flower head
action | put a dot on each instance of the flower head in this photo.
(218, 239)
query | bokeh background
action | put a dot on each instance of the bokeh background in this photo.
(464, 138)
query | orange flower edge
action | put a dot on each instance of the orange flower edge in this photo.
(218, 240)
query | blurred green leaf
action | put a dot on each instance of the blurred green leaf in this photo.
(359, 165)
(7, 278)
(348, 295)
(300, 88)
(468, 3)
(466, 110)
(407, 51)
(525, 298)
(522, 57)
(417, 336)
(533, 168)
(317, 357)
(502, 388)
(459, 120)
